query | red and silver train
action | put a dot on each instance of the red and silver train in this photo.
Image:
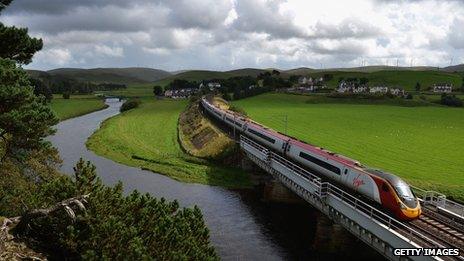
(388, 190)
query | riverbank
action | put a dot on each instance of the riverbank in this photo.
(147, 137)
(77, 105)
(420, 144)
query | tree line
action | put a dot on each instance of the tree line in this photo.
(46, 85)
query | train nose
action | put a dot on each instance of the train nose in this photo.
(412, 213)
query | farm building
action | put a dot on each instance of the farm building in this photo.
(214, 85)
(345, 87)
(379, 89)
(442, 88)
(180, 94)
(397, 91)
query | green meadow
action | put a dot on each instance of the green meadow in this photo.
(146, 137)
(422, 144)
(77, 105)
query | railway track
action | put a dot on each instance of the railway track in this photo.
(436, 227)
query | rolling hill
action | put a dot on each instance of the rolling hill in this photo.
(454, 68)
(114, 75)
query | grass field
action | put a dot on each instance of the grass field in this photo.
(147, 137)
(424, 145)
(77, 105)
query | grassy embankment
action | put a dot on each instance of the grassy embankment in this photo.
(146, 137)
(199, 137)
(77, 105)
(424, 145)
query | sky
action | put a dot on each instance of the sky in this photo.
(229, 34)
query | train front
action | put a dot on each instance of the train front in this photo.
(409, 204)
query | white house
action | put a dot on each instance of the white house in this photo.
(214, 85)
(168, 93)
(443, 88)
(379, 89)
(397, 91)
(344, 87)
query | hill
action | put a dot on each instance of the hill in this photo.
(113, 75)
(406, 79)
(454, 68)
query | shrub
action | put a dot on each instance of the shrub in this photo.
(115, 226)
(66, 95)
(450, 100)
(409, 96)
(237, 109)
(129, 104)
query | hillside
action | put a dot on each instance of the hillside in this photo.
(454, 68)
(113, 75)
(406, 79)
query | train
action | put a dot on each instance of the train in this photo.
(385, 189)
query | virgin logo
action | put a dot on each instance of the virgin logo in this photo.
(357, 182)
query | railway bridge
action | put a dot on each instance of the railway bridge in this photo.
(440, 226)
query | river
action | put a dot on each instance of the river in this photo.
(242, 227)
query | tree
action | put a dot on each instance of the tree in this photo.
(157, 90)
(16, 44)
(275, 72)
(462, 85)
(418, 87)
(25, 119)
(66, 95)
(41, 89)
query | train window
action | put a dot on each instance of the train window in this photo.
(321, 163)
(346, 171)
(262, 136)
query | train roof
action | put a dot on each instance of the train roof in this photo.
(391, 178)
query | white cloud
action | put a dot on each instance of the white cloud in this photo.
(109, 51)
(226, 34)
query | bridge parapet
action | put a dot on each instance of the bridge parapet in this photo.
(366, 222)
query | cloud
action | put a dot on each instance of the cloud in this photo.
(109, 51)
(456, 36)
(348, 28)
(261, 16)
(226, 34)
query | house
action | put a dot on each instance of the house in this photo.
(397, 91)
(214, 85)
(304, 80)
(180, 94)
(168, 93)
(349, 87)
(379, 89)
(442, 88)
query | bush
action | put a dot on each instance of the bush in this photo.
(129, 104)
(409, 96)
(450, 100)
(238, 109)
(66, 95)
(115, 226)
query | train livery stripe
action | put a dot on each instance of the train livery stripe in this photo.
(320, 163)
(262, 136)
